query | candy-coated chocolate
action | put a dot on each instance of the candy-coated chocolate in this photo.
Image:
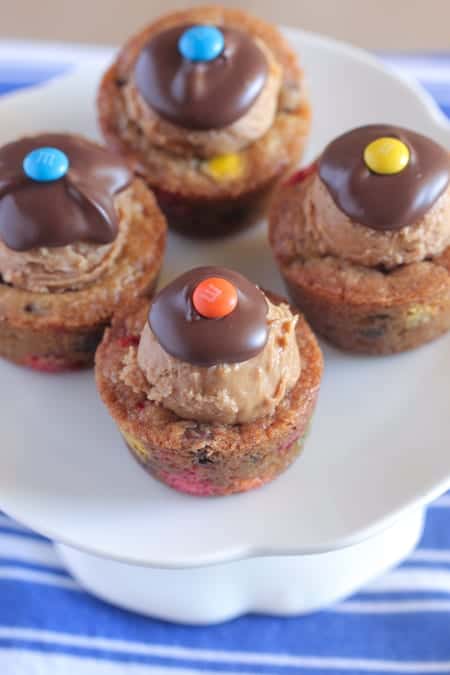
(214, 298)
(225, 167)
(197, 94)
(201, 43)
(384, 201)
(188, 336)
(386, 155)
(65, 208)
(302, 174)
(419, 314)
(45, 164)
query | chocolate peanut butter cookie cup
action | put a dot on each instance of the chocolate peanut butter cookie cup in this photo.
(208, 105)
(79, 237)
(362, 238)
(213, 387)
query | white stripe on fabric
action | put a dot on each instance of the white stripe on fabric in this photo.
(27, 550)
(36, 577)
(430, 555)
(14, 661)
(392, 607)
(411, 579)
(218, 656)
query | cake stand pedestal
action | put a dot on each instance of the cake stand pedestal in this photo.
(281, 585)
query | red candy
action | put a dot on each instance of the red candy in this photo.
(215, 298)
(299, 176)
(129, 341)
(50, 364)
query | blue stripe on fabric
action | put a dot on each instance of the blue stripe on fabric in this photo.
(19, 71)
(327, 633)
(400, 596)
(19, 75)
(9, 87)
(35, 567)
(444, 105)
(435, 565)
(437, 532)
(446, 109)
(25, 534)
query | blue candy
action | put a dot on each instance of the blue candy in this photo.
(46, 164)
(201, 43)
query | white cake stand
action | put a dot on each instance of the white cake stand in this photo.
(282, 585)
(350, 507)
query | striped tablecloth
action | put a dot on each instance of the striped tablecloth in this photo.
(48, 625)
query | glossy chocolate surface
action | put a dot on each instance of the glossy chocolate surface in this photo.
(384, 202)
(201, 95)
(188, 336)
(77, 207)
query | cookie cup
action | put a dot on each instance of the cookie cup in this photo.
(357, 308)
(192, 200)
(206, 459)
(61, 331)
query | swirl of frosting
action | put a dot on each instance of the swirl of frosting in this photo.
(188, 336)
(226, 393)
(384, 201)
(196, 94)
(77, 207)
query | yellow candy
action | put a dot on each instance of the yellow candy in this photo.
(225, 167)
(419, 314)
(136, 445)
(386, 156)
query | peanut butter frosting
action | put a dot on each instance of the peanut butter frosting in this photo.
(63, 211)
(212, 142)
(224, 393)
(326, 230)
(63, 268)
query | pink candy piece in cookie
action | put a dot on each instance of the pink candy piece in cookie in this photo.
(50, 364)
(188, 481)
(300, 175)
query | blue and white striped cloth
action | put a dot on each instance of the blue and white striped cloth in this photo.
(48, 625)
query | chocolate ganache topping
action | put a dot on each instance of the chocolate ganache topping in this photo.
(206, 93)
(190, 337)
(73, 205)
(384, 201)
